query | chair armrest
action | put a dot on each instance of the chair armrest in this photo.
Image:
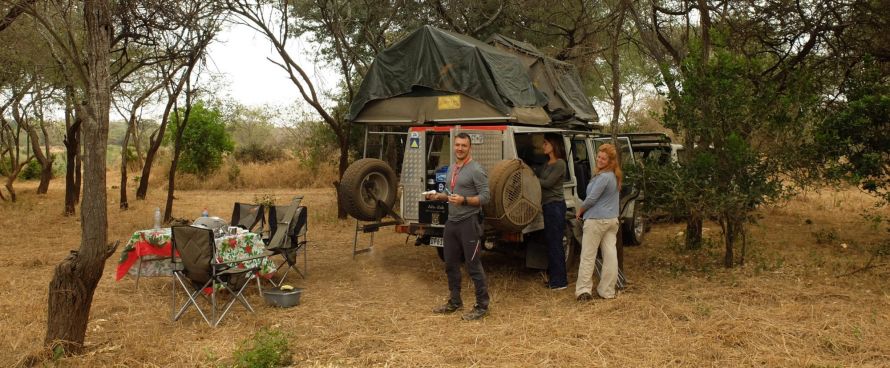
(226, 265)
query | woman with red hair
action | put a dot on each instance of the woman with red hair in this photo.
(600, 213)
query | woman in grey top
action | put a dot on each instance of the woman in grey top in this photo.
(600, 213)
(553, 204)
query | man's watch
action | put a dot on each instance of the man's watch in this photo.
(465, 201)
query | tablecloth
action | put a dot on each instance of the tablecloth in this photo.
(153, 247)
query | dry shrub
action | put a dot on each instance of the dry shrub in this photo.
(236, 175)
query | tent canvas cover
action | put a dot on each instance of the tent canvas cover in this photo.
(435, 76)
(558, 80)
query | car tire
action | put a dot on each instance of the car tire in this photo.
(363, 177)
(635, 228)
(571, 247)
(515, 196)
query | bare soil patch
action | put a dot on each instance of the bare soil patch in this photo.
(786, 307)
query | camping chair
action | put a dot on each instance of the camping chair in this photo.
(289, 226)
(196, 270)
(248, 216)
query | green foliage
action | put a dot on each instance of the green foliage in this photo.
(265, 349)
(738, 120)
(256, 152)
(31, 171)
(204, 141)
(317, 144)
(854, 141)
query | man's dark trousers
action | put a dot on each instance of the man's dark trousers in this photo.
(462, 245)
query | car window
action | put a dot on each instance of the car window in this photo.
(627, 158)
(579, 150)
(530, 149)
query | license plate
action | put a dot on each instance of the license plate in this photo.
(437, 241)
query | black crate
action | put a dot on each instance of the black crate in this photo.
(433, 212)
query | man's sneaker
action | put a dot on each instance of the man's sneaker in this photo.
(557, 287)
(585, 297)
(476, 313)
(446, 308)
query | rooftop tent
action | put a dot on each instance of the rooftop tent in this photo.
(435, 76)
(558, 80)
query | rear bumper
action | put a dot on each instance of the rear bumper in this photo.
(421, 230)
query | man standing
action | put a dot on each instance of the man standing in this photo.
(467, 185)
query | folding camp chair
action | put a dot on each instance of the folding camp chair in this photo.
(289, 226)
(197, 270)
(248, 216)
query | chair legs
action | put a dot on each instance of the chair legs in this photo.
(192, 301)
(196, 293)
(291, 262)
(236, 296)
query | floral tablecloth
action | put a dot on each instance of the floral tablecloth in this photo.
(153, 246)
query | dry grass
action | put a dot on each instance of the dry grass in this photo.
(235, 175)
(785, 308)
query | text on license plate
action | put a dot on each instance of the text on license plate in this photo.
(437, 241)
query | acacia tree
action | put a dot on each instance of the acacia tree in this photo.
(853, 141)
(192, 25)
(202, 37)
(13, 131)
(741, 91)
(36, 129)
(74, 280)
(350, 34)
(142, 91)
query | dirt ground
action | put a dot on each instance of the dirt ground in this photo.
(788, 306)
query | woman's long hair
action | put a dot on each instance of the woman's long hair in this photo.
(613, 165)
(557, 144)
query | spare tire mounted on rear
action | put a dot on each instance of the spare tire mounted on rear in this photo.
(515, 195)
(364, 182)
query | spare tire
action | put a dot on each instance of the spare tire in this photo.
(515, 196)
(362, 179)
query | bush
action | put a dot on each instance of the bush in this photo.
(31, 171)
(204, 141)
(266, 348)
(255, 152)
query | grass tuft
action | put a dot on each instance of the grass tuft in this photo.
(265, 349)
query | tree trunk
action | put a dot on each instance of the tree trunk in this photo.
(45, 160)
(124, 145)
(10, 180)
(154, 142)
(693, 231)
(744, 235)
(74, 280)
(615, 66)
(177, 150)
(142, 189)
(139, 159)
(46, 175)
(344, 163)
(729, 231)
(72, 146)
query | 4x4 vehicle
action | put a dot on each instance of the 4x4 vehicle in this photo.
(507, 96)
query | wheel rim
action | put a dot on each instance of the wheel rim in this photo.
(567, 247)
(376, 184)
(638, 227)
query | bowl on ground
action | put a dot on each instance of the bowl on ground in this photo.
(283, 298)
